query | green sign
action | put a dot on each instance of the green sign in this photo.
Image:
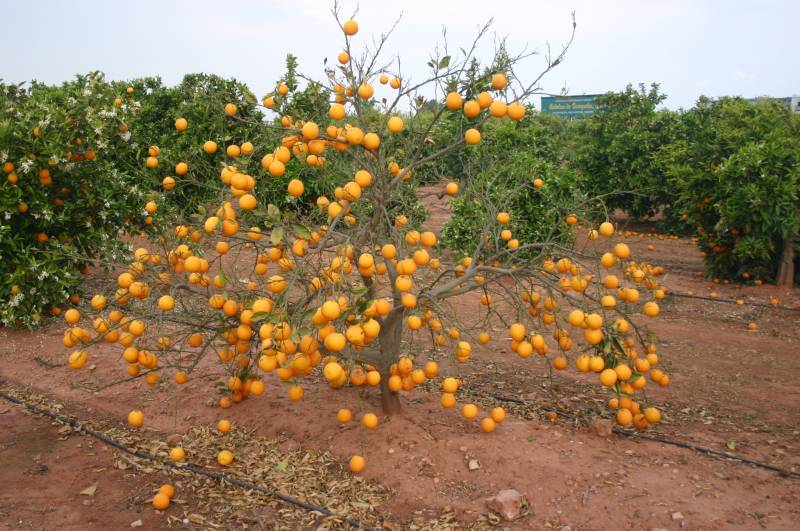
(569, 106)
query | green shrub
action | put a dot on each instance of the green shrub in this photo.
(617, 152)
(736, 169)
(64, 198)
(537, 214)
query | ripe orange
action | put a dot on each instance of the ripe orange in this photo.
(371, 141)
(370, 420)
(161, 501)
(472, 109)
(365, 91)
(136, 418)
(78, 359)
(488, 425)
(350, 28)
(453, 101)
(608, 377)
(177, 454)
(167, 489)
(224, 426)
(448, 400)
(210, 147)
(310, 130)
(357, 464)
(181, 124)
(295, 188)
(517, 332)
(344, 416)
(166, 303)
(498, 108)
(72, 316)
(225, 457)
(650, 309)
(450, 385)
(499, 81)
(515, 111)
(498, 414)
(395, 124)
(335, 342)
(622, 251)
(624, 417)
(295, 393)
(336, 112)
(233, 151)
(469, 411)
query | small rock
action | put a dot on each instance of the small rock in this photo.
(137, 523)
(601, 427)
(677, 516)
(659, 529)
(507, 503)
(473, 464)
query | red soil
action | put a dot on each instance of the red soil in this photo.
(732, 390)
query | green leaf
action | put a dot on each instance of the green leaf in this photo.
(444, 61)
(260, 316)
(301, 231)
(273, 213)
(276, 236)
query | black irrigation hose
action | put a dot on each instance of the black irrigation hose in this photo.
(733, 301)
(219, 476)
(657, 438)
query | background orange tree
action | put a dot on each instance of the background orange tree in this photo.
(351, 281)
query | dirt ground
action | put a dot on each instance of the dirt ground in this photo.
(732, 390)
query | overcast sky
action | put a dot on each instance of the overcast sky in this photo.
(690, 47)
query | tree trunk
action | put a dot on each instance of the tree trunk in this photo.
(389, 340)
(785, 278)
(390, 401)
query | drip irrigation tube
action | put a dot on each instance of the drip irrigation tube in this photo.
(733, 301)
(665, 440)
(219, 476)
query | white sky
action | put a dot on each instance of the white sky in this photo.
(691, 48)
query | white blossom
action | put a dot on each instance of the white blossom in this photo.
(14, 302)
(25, 166)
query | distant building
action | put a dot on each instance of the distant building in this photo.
(793, 102)
(570, 106)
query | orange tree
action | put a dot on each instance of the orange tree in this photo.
(736, 172)
(351, 291)
(63, 198)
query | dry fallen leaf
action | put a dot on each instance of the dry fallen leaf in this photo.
(89, 491)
